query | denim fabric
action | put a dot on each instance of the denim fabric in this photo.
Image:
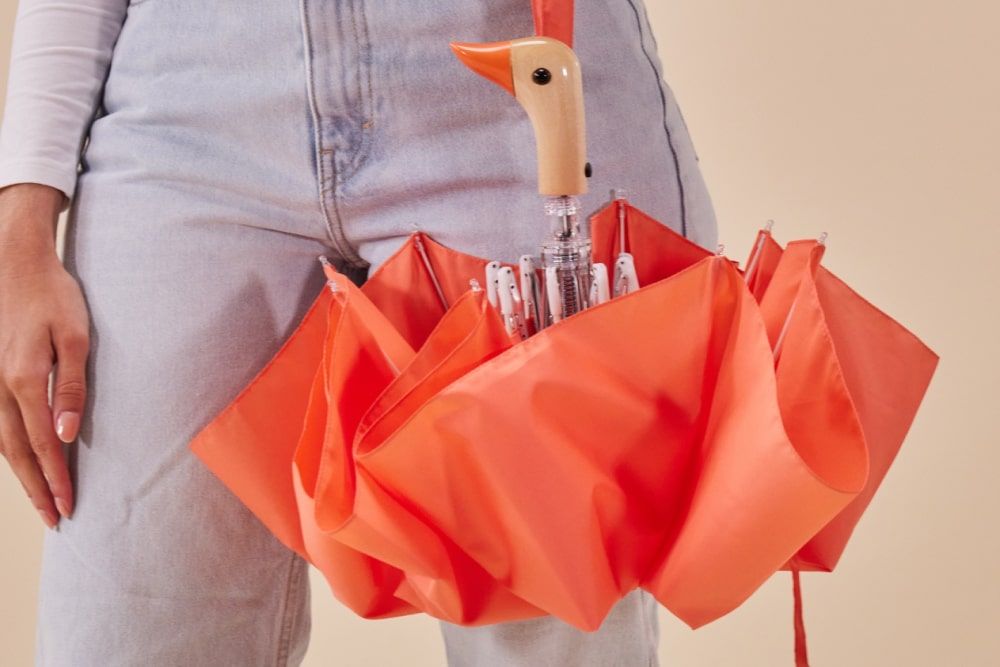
(239, 140)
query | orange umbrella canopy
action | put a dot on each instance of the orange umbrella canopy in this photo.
(686, 438)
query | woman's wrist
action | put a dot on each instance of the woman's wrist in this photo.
(29, 213)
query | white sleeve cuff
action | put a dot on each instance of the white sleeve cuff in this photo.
(59, 176)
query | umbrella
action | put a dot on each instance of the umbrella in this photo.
(476, 480)
(426, 460)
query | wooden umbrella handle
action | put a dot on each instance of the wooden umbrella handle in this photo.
(543, 73)
(556, 110)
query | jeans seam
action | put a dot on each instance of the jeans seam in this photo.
(288, 611)
(646, 629)
(663, 100)
(334, 229)
(365, 97)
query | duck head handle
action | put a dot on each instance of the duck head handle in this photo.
(543, 75)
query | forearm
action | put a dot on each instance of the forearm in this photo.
(59, 60)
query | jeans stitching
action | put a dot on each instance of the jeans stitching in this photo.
(654, 659)
(663, 99)
(288, 611)
(365, 98)
(334, 230)
(646, 630)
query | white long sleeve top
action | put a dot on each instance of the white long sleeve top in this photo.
(59, 60)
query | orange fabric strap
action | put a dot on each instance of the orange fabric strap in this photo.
(801, 659)
(554, 18)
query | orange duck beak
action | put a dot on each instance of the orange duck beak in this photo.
(490, 59)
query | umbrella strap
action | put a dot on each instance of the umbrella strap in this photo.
(801, 659)
(554, 18)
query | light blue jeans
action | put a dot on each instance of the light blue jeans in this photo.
(240, 140)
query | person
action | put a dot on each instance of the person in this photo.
(206, 154)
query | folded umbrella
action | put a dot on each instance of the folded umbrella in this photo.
(423, 459)
(486, 465)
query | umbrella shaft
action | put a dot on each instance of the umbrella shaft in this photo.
(566, 261)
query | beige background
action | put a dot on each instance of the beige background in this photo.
(878, 122)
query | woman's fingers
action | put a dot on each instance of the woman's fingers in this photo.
(46, 445)
(16, 449)
(69, 393)
(32, 431)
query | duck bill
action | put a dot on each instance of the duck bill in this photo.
(490, 60)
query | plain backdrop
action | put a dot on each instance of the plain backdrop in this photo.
(879, 123)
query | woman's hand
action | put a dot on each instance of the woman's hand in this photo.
(43, 323)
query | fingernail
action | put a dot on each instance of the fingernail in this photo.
(66, 424)
(47, 518)
(63, 507)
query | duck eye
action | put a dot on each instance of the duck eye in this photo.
(541, 76)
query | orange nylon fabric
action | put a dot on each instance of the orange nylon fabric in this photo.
(828, 331)
(424, 461)
(554, 18)
(761, 264)
(403, 286)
